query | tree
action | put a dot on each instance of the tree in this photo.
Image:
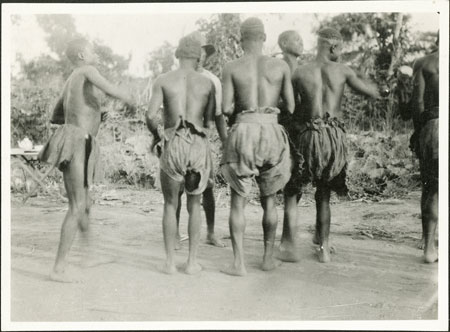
(162, 59)
(222, 31)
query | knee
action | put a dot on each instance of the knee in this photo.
(192, 180)
(429, 212)
(79, 212)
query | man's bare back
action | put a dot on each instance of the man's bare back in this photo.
(321, 84)
(259, 81)
(186, 94)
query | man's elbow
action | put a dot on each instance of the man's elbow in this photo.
(227, 111)
(210, 124)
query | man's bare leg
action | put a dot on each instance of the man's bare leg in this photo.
(288, 245)
(323, 216)
(178, 242)
(421, 244)
(269, 222)
(209, 206)
(429, 221)
(75, 218)
(193, 206)
(170, 190)
(237, 228)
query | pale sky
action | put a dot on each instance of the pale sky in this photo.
(140, 34)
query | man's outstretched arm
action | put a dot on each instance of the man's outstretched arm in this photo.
(360, 85)
(287, 92)
(93, 75)
(155, 102)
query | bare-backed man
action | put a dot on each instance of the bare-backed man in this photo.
(425, 142)
(73, 147)
(209, 205)
(185, 156)
(320, 135)
(257, 146)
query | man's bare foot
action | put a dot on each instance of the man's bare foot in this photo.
(214, 241)
(270, 264)
(431, 256)
(315, 240)
(235, 271)
(63, 276)
(168, 268)
(323, 254)
(193, 268)
(287, 254)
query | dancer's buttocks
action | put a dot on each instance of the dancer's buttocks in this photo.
(257, 146)
(186, 156)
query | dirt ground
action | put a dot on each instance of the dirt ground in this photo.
(376, 273)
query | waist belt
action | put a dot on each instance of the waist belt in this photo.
(257, 118)
(184, 129)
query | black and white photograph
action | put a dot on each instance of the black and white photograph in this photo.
(271, 165)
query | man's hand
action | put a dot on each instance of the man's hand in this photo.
(385, 91)
(156, 146)
(104, 116)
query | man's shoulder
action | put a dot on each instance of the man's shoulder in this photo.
(429, 60)
(275, 62)
(211, 76)
(85, 69)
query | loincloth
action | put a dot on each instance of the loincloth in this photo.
(71, 144)
(257, 147)
(429, 114)
(428, 147)
(321, 142)
(185, 148)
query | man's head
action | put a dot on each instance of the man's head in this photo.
(81, 51)
(330, 41)
(207, 49)
(252, 29)
(290, 42)
(189, 48)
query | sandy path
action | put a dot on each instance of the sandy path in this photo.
(379, 278)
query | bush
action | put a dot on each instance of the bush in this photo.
(381, 165)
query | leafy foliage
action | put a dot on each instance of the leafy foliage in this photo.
(376, 44)
(162, 59)
(222, 31)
